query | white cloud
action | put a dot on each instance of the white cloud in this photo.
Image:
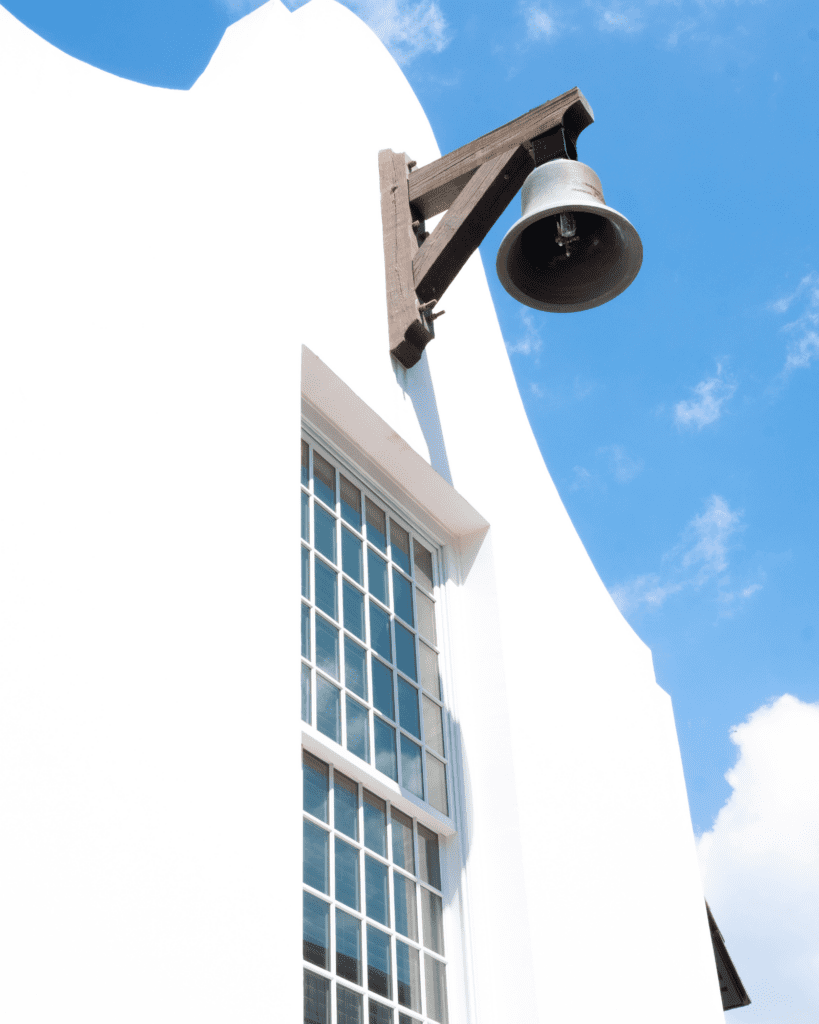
(539, 24)
(760, 862)
(646, 589)
(407, 29)
(708, 535)
(583, 479)
(537, 390)
(529, 342)
(619, 19)
(623, 467)
(706, 408)
(803, 347)
(242, 7)
(699, 557)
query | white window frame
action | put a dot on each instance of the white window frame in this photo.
(360, 441)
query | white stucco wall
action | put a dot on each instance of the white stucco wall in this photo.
(163, 258)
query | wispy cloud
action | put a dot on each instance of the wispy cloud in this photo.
(539, 24)
(706, 407)
(701, 555)
(529, 342)
(619, 18)
(582, 479)
(758, 862)
(407, 29)
(242, 7)
(622, 466)
(803, 346)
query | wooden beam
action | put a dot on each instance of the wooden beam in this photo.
(468, 221)
(434, 187)
(408, 331)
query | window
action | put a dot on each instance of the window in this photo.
(369, 675)
(373, 943)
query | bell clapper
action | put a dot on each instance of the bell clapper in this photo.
(566, 231)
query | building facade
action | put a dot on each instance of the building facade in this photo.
(471, 805)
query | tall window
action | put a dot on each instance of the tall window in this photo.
(373, 914)
(369, 642)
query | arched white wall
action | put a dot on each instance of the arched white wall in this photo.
(163, 258)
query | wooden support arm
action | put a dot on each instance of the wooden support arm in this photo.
(474, 185)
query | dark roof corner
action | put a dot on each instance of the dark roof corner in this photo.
(730, 985)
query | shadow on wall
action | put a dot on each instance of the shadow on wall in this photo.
(416, 383)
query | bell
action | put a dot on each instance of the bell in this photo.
(569, 251)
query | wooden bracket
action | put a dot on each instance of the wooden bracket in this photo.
(472, 185)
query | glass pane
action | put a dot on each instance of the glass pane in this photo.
(405, 651)
(385, 749)
(315, 786)
(430, 865)
(353, 610)
(399, 545)
(402, 596)
(432, 912)
(379, 969)
(377, 886)
(316, 941)
(436, 784)
(316, 858)
(436, 989)
(305, 463)
(305, 573)
(326, 589)
(324, 480)
(349, 1006)
(355, 666)
(305, 631)
(426, 617)
(423, 565)
(378, 1013)
(352, 558)
(316, 999)
(377, 576)
(327, 647)
(347, 887)
(402, 852)
(382, 689)
(411, 767)
(408, 707)
(376, 526)
(433, 726)
(380, 638)
(328, 709)
(358, 733)
(429, 671)
(408, 976)
(305, 517)
(404, 1018)
(305, 695)
(348, 947)
(345, 805)
(350, 503)
(375, 824)
(406, 918)
(324, 526)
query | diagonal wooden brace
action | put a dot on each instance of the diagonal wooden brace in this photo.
(474, 185)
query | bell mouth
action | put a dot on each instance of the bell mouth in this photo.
(569, 251)
(599, 262)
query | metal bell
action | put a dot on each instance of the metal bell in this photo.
(569, 251)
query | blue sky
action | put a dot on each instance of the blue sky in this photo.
(679, 421)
